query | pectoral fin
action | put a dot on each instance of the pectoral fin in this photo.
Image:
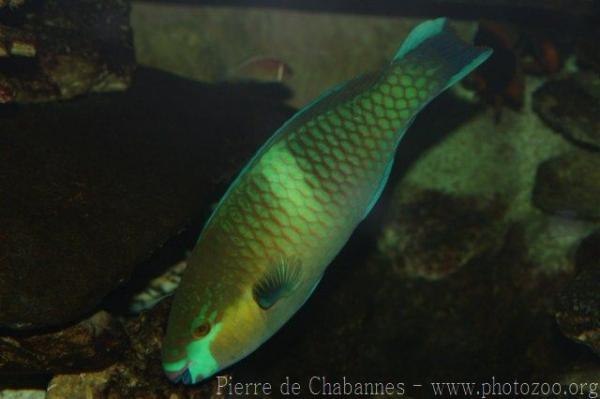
(279, 281)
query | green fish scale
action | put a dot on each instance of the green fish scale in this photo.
(347, 147)
(267, 214)
(324, 173)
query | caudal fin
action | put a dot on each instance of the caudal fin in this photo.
(437, 49)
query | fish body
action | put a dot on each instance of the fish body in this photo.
(294, 206)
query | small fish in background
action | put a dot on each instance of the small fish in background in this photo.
(159, 288)
(293, 207)
(261, 69)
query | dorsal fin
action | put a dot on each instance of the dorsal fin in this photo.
(419, 34)
(279, 281)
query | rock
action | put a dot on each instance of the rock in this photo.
(23, 394)
(551, 241)
(585, 375)
(58, 50)
(579, 313)
(588, 252)
(431, 234)
(11, 3)
(569, 185)
(138, 375)
(572, 107)
(91, 344)
(91, 188)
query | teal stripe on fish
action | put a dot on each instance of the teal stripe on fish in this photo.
(296, 203)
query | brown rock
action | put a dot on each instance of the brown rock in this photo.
(91, 344)
(138, 375)
(91, 188)
(569, 185)
(58, 50)
(572, 107)
(11, 3)
(431, 234)
(579, 313)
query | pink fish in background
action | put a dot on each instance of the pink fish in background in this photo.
(261, 68)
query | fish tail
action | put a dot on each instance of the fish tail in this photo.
(431, 60)
(439, 53)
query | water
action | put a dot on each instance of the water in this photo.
(478, 265)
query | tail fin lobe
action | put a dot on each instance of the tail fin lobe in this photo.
(419, 34)
(431, 43)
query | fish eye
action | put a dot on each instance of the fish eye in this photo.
(201, 331)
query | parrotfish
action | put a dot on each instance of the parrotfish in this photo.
(295, 204)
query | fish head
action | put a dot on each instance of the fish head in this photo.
(208, 334)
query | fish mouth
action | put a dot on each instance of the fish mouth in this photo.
(183, 376)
